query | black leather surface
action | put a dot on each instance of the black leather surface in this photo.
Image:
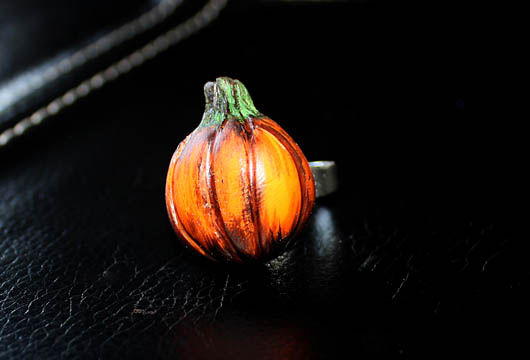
(38, 37)
(420, 254)
(58, 25)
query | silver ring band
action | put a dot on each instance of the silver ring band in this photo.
(325, 174)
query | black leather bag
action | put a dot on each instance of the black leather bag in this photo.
(416, 255)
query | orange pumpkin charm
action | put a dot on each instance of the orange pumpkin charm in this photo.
(238, 187)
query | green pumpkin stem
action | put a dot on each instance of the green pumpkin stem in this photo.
(227, 99)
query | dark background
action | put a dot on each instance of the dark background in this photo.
(420, 254)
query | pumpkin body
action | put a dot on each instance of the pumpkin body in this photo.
(238, 189)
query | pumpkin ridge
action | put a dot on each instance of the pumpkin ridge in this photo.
(212, 190)
(177, 222)
(253, 198)
(287, 142)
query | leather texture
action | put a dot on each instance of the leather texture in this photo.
(420, 254)
(27, 19)
(76, 45)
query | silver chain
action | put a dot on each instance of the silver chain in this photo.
(198, 21)
(22, 85)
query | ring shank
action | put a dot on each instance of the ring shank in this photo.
(325, 175)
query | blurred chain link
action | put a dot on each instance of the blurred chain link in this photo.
(153, 48)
